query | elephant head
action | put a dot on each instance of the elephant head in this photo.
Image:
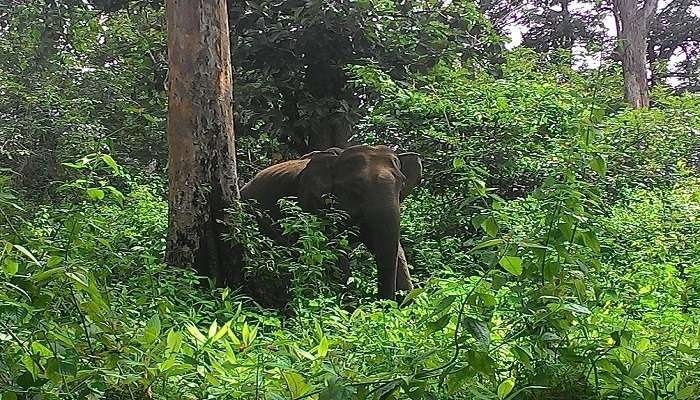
(369, 183)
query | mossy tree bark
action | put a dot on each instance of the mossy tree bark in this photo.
(202, 177)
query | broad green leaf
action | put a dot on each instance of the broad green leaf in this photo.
(490, 226)
(44, 275)
(442, 306)
(481, 362)
(435, 326)
(74, 165)
(95, 193)
(412, 295)
(684, 348)
(512, 264)
(487, 243)
(152, 331)
(212, 379)
(580, 289)
(322, 347)
(212, 329)
(295, 383)
(221, 332)
(598, 165)
(10, 267)
(115, 193)
(686, 393)
(643, 344)
(303, 353)
(457, 380)
(522, 355)
(274, 396)
(589, 135)
(637, 370)
(245, 334)
(9, 396)
(78, 278)
(54, 261)
(336, 390)
(551, 269)
(501, 103)
(40, 349)
(230, 354)
(174, 341)
(110, 161)
(167, 364)
(672, 385)
(200, 338)
(505, 388)
(478, 329)
(590, 240)
(458, 162)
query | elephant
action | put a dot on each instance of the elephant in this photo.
(369, 183)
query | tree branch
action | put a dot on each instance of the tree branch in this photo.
(649, 10)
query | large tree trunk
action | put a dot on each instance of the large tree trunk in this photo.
(632, 31)
(202, 178)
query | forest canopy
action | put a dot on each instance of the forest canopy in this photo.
(553, 240)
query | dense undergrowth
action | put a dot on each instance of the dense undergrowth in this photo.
(582, 283)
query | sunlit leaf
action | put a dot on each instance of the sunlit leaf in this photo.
(10, 267)
(512, 264)
(505, 388)
(490, 226)
(95, 193)
(295, 383)
(195, 333)
(110, 161)
(27, 253)
(152, 331)
(687, 392)
(174, 341)
(322, 347)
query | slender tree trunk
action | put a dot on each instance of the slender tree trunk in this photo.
(633, 28)
(202, 177)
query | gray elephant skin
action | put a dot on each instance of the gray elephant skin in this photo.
(369, 183)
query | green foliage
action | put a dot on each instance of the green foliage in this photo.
(290, 78)
(554, 241)
(519, 129)
(565, 300)
(305, 263)
(77, 82)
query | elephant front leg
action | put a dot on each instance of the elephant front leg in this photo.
(403, 276)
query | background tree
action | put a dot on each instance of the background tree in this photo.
(291, 59)
(675, 31)
(82, 79)
(202, 163)
(561, 24)
(632, 25)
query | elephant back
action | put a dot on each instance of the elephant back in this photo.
(273, 183)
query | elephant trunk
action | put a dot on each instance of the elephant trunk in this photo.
(383, 241)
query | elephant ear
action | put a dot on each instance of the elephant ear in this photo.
(316, 179)
(412, 168)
